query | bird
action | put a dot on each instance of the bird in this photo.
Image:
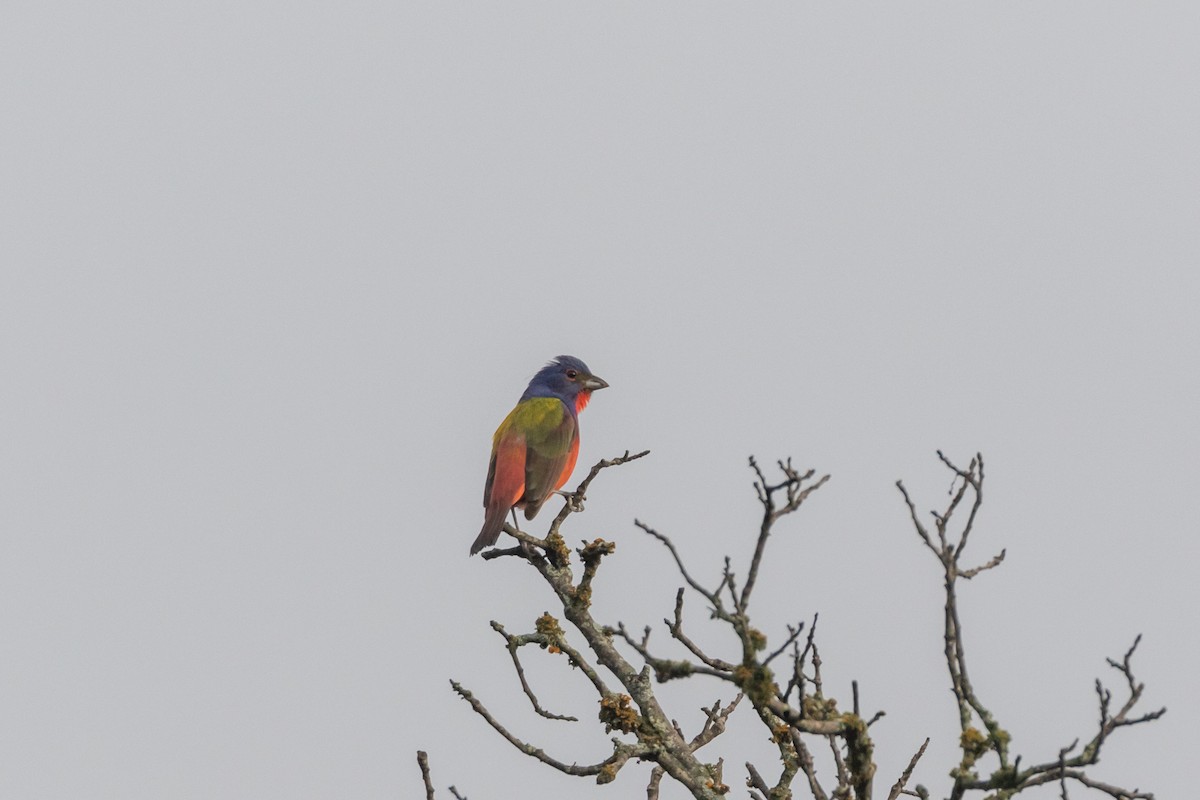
(535, 448)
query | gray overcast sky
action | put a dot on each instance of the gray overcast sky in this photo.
(273, 272)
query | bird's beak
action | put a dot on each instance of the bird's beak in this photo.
(591, 383)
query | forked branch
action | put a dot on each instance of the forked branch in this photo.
(1008, 778)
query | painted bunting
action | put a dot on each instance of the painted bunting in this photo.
(535, 447)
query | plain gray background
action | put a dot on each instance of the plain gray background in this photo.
(273, 272)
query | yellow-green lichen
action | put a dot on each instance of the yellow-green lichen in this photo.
(597, 548)
(665, 670)
(819, 708)
(548, 626)
(617, 714)
(608, 774)
(757, 682)
(556, 550)
(859, 747)
(974, 744)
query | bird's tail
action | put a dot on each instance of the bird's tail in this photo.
(493, 523)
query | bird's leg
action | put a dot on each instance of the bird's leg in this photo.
(530, 552)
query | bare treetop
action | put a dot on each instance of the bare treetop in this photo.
(783, 686)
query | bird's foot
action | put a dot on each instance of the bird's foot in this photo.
(574, 500)
(530, 552)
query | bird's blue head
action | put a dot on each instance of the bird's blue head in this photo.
(566, 378)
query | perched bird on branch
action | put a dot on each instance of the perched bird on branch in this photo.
(535, 447)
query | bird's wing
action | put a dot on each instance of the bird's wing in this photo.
(505, 479)
(551, 444)
(506, 472)
(572, 457)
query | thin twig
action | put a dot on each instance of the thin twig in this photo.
(575, 499)
(1062, 768)
(805, 760)
(621, 753)
(756, 780)
(792, 484)
(793, 634)
(715, 726)
(515, 642)
(898, 786)
(843, 775)
(996, 561)
(712, 597)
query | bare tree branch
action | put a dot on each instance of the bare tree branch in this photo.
(423, 763)
(621, 752)
(898, 786)
(575, 499)
(796, 712)
(712, 597)
(795, 492)
(1009, 778)
(652, 789)
(515, 642)
(756, 780)
(793, 634)
(717, 718)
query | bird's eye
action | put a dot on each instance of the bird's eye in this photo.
(572, 374)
